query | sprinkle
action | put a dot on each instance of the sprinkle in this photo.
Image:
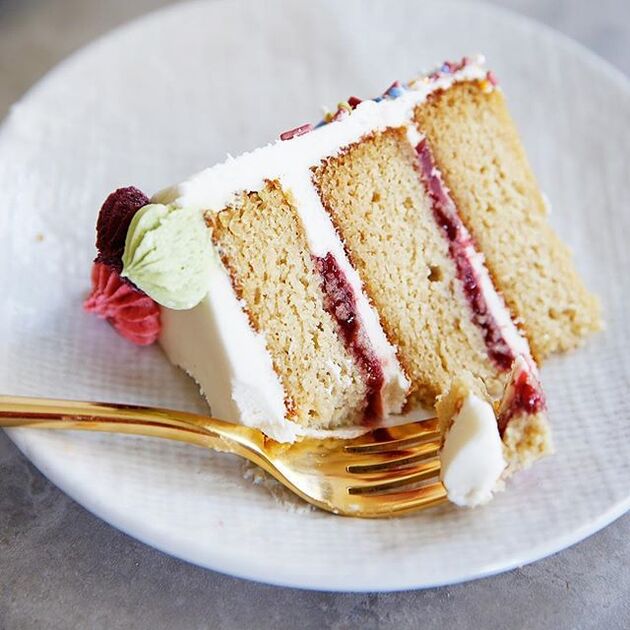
(341, 112)
(353, 101)
(344, 105)
(298, 131)
(490, 76)
(394, 90)
(343, 109)
(450, 67)
(461, 65)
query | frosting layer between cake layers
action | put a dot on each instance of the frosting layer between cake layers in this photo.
(239, 380)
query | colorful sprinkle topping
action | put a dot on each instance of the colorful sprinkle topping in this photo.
(450, 67)
(298, 131)
(394, 90)
(491, 78)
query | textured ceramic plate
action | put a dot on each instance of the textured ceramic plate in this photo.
(169, 94)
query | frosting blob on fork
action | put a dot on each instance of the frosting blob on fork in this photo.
(472, 454)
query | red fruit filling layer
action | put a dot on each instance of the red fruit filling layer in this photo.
(460, 241)
(340, 303)
(527, 398)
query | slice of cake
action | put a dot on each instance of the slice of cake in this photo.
(351, 270)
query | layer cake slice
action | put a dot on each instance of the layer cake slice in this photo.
(353, 270)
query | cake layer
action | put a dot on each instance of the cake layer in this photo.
(378, 202)
(262, 244)
(476, 147)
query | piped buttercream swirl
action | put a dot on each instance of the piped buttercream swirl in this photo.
(169, 254)
(132, 313)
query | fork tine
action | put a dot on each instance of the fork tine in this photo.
(379, 505)
(393, 438)
(395, 459)
(394, 478)
(347, 464)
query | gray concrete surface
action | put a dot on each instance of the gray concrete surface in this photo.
(60, 567)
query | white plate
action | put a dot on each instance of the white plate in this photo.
(171, 93)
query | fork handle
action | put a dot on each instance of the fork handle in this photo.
(45, 413)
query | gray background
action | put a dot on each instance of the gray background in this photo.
(60, 567)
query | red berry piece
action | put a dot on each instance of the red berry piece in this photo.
(113, 222)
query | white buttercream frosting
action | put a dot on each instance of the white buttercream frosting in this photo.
(234, 364)
(471, 458)
(323, 239)
(496, 306)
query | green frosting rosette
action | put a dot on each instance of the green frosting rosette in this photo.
(169, 255)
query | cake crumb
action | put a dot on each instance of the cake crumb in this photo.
(280, 494)
(39, 237)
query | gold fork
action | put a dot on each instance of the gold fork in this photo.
(385, 472)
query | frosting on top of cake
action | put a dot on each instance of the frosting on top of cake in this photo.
(216, 187)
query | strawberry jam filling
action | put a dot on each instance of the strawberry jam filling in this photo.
(340, 303)
(460, 249)
(526, 397)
